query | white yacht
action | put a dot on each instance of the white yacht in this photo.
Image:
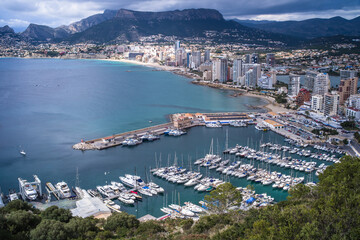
(126, 198)
(128, 182)
(64, 189)
(30, 192)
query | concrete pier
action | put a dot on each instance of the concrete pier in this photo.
(117, 139)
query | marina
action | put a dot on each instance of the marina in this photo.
(58, 123)
(270, 167)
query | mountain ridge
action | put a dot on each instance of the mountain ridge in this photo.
(310, 28)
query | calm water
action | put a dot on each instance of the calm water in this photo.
(47, 105)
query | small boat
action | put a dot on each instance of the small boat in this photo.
(22, 152)
(125, 198)
(13, 195)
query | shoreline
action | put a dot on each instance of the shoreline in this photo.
(271, 106)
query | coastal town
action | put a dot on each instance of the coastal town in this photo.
(311, 113)
(320, 85)
(154, 119)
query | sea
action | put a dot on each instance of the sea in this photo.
(47, 105)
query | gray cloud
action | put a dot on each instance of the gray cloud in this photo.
(59, 12)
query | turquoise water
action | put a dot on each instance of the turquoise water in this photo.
(47, 105)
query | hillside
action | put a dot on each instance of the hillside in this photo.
(88, 22)
(36, 32)
(203, 24)
(310, 28)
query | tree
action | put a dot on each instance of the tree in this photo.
(79, 227)
(149, 228)
(121, 220)
(345, 141)
(349, 125)
(22, 221)
(18, 205)
(223, 197)
(48, 230)
(56, 213)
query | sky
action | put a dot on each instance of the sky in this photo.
(18, 14)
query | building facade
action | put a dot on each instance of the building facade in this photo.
(317, 103)
(321, 84)
(294, 85)
(303, 96)
(220, 68)
(331, 104)
(310, 79)
(347, 88)
(270, 59)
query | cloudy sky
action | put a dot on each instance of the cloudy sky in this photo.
(19, 13)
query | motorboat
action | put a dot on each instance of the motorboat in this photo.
(128, 182)
(64, 189)
(125, 198)
(30, 192)
(13, 195)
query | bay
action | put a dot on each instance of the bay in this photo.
(47, 105)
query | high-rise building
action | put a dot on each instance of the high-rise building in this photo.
(207, 56)
(270, 59)
(346, 74)
(179, 61)
(237, 70)
(247, 58)
(310, 79)
(188, 60)
(317, 103)
(220, 70)
(257, 72)
(250, 78)
(347, 88)
(177, 45)
(294, 85)
(266, 81)
(354, 101)
(321, 84)
(196, 58)
(254, 58)
(331, 104)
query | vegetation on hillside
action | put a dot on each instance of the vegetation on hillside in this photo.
(328, 211)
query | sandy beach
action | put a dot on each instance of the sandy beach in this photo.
(152, 65)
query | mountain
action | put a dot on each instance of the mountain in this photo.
(311, 28)
(41, 33)
(6, 30)
(203, 24)
(8, 36)
(88, 22)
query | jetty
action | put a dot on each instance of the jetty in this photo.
(177, 121)
(117, 139)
